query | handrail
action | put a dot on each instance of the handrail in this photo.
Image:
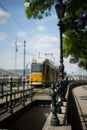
(13, 93)
(59, 94)
(70, 86)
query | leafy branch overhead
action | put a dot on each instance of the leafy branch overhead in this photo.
(39, 8)
(75, 40)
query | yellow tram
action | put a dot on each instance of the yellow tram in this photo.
(43, 73)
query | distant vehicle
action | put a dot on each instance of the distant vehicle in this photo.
(43, 73)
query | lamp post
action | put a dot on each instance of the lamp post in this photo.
(60, 10)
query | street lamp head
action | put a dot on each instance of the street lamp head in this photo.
(26, 3)
(60, 9)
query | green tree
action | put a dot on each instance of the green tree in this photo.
(75, 40)
(39, 8)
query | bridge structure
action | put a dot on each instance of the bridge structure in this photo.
(24, 107)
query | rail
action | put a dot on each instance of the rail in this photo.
(13, 93)
(71, 85)
(59, 93)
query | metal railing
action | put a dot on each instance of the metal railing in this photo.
(13, 93)
(59, 94)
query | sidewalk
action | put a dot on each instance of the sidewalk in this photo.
(48, 126)
(80, 95)
(41, 94)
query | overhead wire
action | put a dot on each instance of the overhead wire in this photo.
(16, 21)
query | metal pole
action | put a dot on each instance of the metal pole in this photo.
(24, 57)
(61, 66)
(23, 100)
(16, 49)
(10, 102)
(55, 107)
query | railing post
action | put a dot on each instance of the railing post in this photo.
(10, 102)
(18, 86)
(2, 89)
(6, 104)
(31, 93)
(14, 94)
(23, 98)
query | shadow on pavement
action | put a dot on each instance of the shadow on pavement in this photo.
(73, 117)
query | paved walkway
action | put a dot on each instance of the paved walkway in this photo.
(80, 94)
(42, 94)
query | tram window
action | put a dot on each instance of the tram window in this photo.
(36, 68)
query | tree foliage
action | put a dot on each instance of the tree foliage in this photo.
(39, 8)
(75, 40)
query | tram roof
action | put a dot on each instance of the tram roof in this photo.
(47, 61)
(41, 60)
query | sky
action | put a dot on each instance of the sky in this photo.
(42, 38)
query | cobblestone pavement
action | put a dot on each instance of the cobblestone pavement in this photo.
(80, 95)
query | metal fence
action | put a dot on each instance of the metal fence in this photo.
(13, 93)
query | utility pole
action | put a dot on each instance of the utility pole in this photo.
(24, 57)
(16, 50)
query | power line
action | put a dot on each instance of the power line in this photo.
(5, 9)
(11, 16)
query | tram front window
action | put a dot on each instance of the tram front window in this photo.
(36, 68)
